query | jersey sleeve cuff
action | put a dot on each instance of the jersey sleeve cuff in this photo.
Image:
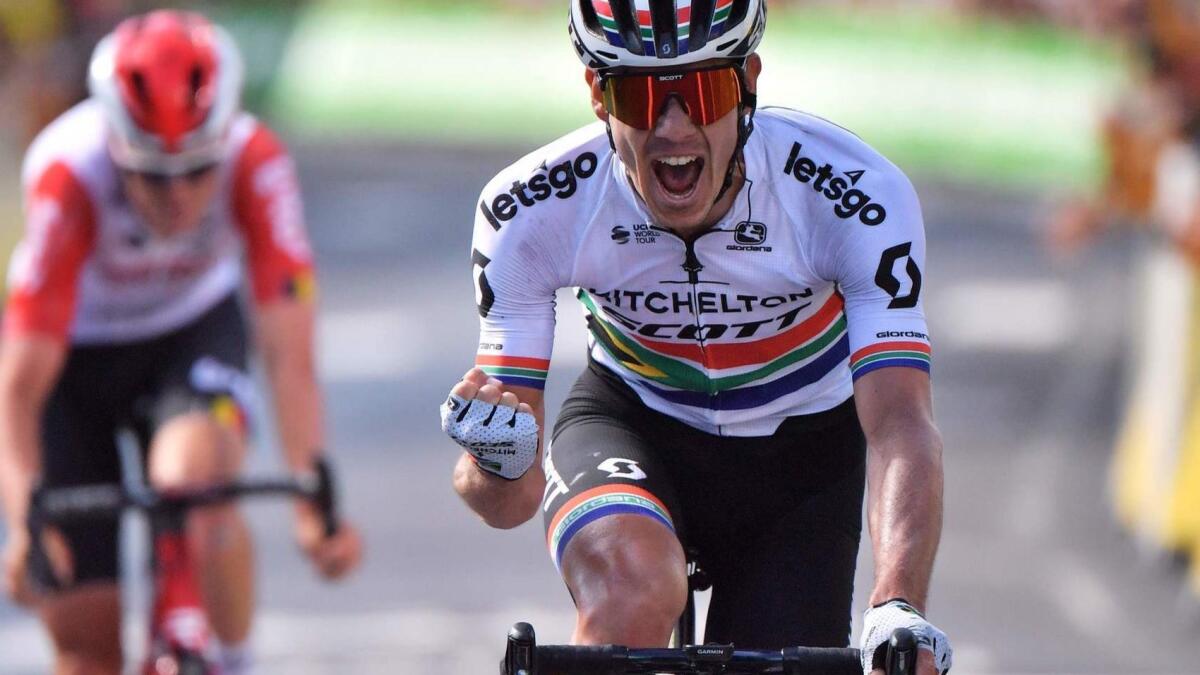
(517, 371)
(889, 355)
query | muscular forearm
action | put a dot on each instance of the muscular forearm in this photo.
(286, 339)
(905, 512)
(298, 410)
(501, 503)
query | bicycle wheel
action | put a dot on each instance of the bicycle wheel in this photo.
(179, 662)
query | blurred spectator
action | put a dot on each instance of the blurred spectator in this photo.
(1099, 16)
(1152, 139)
(43, 60)
(30, 93)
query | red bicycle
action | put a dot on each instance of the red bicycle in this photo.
(180, 640)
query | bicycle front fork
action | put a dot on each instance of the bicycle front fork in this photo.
(180, 638)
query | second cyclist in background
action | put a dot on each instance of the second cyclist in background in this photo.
(122, 313)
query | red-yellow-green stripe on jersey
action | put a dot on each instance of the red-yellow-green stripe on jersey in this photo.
(887, 354)
(520, 371)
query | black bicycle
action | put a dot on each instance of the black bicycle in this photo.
(180, 642)
(523, 656)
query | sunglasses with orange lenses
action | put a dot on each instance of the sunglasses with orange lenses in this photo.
(638, 99)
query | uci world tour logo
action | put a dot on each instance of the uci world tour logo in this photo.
(749, 236)
(642, 233)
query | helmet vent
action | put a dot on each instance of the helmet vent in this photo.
(738, 12)
(625, 15)
(726, 45)
(607, 55)
(196, 78)
(700, 25)
(139, 87)
(664, 26)
(590, 20)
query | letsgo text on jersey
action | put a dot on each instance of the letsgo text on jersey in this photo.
(848, 202)
(561, 180)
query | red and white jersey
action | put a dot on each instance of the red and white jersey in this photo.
(90, 271)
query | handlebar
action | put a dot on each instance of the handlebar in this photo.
(107, 501)
(63, 505)
(525, 657)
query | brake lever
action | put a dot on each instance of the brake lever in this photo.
(326, 497)
(518, 655)
(40, 571)
(901, 656)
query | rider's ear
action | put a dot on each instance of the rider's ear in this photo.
(753, 70)
(593, 81)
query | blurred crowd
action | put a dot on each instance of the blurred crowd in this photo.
(44, 50)
(1152, 146)
(44, 44)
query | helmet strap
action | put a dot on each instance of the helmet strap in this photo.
(745, 128)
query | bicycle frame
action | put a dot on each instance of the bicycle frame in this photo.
(685, 628)
(180, 639)
(180, 642)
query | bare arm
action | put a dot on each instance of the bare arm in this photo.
(904, 481)
(501, 503)
(29, 368)
(285, 335)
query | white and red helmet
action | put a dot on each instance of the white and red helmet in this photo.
(663, 33)
(170, 84)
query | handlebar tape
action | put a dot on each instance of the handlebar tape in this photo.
(577, 660)
(821, 661)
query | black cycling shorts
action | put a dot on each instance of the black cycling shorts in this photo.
(137, 386)
(774, 521)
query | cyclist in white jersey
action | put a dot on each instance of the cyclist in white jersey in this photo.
(122, 312)
(752, 285)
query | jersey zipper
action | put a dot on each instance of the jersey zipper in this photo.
(692, 266)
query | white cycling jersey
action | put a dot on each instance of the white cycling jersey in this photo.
(811, 280)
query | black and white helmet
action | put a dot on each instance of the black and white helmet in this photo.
(656, 33)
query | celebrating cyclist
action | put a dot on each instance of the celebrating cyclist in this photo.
(752, 286)
(123, 313)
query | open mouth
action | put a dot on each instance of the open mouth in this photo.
(679, 174)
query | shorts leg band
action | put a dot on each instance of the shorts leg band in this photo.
(596, 503)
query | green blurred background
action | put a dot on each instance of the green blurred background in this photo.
(941, 91)
(1007, 98)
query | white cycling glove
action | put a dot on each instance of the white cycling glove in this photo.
(881, 621)
(502, 440)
